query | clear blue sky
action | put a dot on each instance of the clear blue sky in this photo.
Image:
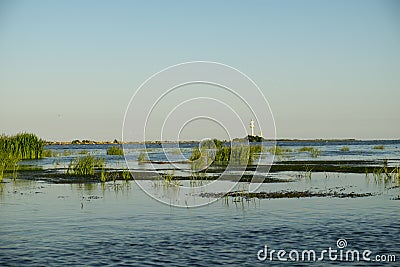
(329, 69)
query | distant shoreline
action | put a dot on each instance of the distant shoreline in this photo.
(115, 142)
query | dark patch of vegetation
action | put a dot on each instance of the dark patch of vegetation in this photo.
(379, 147)
(345, 149)
(243, 195)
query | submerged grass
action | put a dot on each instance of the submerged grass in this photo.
(85, 165)
(115, 150)
(379, 147)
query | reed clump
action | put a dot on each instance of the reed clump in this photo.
(381, 147)
(315, 152)
(22, 146)
(85, 165)
(115, 150)
(214, 152)
(345, 149)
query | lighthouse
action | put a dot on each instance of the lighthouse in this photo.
(252, 127)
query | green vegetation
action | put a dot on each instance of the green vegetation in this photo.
(278, 150)
(213, 152)
(379, 147)
(315, 152)
(22, 146)
(18, 147)
(345, 149)
(142, 157)
(115, 150)
(86, 165)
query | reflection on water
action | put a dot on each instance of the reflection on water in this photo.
(117, 224)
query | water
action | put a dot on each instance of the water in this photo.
(43, 224)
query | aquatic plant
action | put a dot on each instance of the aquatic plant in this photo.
(315, 152)
(142, 157)
(279, 151)
(218, 154)
(126, 175)
(379, 147)
(115, 150)
(345, 149)
(85, 165)
(8, 162)
(22, 146)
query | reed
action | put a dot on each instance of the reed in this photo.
(279, 151)
(345, 149)
(85, 165)
(142, 158)
(115, 150)
(216, 153)
(315, 152)
(22, 146)
(379, 147)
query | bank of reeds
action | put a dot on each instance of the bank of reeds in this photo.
(85, 165)
(115, 150)
(216, 153)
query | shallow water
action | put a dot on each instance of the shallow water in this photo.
(118, 224)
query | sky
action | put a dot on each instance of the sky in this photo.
(328, 69)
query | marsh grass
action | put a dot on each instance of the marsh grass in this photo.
(280, 152)
(142, 158)
(214, 152)
(169, 179)
(379, 147)
(85, 165)
(22, 146)
(345, 149)
(315, 152)
(115, 150)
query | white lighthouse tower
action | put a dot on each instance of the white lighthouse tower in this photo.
(252, 127)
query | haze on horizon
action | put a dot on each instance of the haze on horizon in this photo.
(329, 69)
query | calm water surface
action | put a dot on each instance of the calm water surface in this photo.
(117, 224)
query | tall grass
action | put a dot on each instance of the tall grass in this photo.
(218, 154)
(18, 147)
(85, 166)
(22, 145)
(315, 152)
(115, 150)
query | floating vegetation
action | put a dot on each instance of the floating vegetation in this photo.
(315, 152)
(115, 150)
(283, 194)
(345, 149)
(381, 147)
(86, 165)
